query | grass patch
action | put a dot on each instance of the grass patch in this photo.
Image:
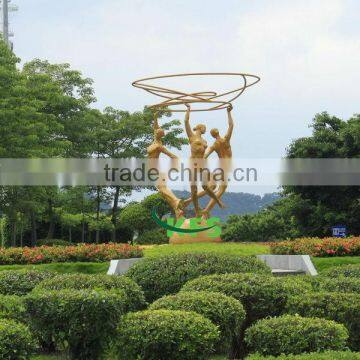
(322, 264)
(75, 267)
(243, 249)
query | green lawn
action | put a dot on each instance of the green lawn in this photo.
(157, 250)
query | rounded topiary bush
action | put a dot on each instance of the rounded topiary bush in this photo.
(165, 334)
(326, 355)
(16, 342)
(21, 282)
(165, 275)
(343, 308)
(295, 335)
(352, 270)
(222, 310)
(85, 320)
(136, 299)
(12, 307)
(261, 295)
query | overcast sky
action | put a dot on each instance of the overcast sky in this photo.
(306, 52)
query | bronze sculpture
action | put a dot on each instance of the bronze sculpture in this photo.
(198, 145)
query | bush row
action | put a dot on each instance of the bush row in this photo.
(318, 247)
(81, 252)
(167, 274)
(352, 270)
(326, 355)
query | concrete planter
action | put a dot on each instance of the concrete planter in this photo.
(289, 264)
(120, 267)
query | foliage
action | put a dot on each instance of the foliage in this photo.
(343, 308)
(269, 224)
(136, 298)
(318, 247)
(352, 270)
(166, 274)
(224, 311)
(21, 282)
(84, 321)
(261, 295)
(137, 217)
(165, 334)
(153, 236)
(16, 342)
(326, 355)
(80, 252)
(326, 206)
(12, 307)
(294, 335)
(53, 242)
(340, 284)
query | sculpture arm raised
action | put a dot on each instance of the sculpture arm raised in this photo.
(230, 122)
(187, 122)
(156, 123)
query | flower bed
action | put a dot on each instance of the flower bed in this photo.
(318, 247)
(81, 252)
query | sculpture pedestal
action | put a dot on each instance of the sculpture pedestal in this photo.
(199, 237)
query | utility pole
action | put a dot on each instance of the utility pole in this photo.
(5, 20)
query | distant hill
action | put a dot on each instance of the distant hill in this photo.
(236, 203)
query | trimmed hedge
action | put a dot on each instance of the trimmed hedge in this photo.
(12, 307)
(352, 270)
(295, 335)
(343, 308)
(165, 275)
(136, 299)
(165, 334)
(21, 282)
(79, 252)
(340, 284)
(261, 295)
(318, 247)
(16, 342)
(222, 310)
(327, 355)
(84, 321)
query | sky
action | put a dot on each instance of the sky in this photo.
(306, 52)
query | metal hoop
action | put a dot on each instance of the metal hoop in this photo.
(176, 97)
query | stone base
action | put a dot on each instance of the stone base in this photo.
(199, 237)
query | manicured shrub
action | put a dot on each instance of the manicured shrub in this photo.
(84, 321)
(53, 242)
(326, 355)
(16, 342)
(166, 274)
(295, 335)
(12, 307)
(153, 236)
(261, 295)
(352, 270)
(343, 308)
(80, 252)
(222, 310)
(21, 282)
(135, 295)
(340, 284)
(318, 247)
(165, 334)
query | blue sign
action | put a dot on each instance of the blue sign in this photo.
(339, 231)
